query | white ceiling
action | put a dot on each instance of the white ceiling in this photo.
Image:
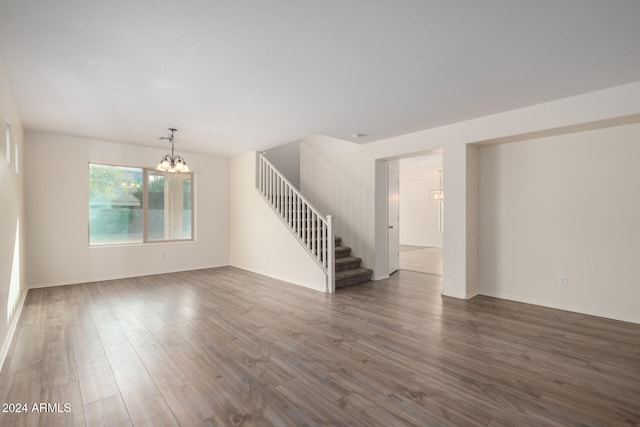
(240, 75)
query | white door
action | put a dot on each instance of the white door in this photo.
(393, 219)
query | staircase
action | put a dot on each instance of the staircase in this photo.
(348, 269)
(312, 229)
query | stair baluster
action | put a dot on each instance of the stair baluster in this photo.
(310, 227)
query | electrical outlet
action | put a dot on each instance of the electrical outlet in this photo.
(563, 280)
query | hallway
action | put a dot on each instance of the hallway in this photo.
(421, 259)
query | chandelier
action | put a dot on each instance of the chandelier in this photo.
(438, 194)
(172, 162)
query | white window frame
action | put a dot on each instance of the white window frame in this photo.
(145, 208)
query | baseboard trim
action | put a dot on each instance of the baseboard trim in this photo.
(458, 295)
(547, 304)
(472, 294)
(310, 286)
(12, 329)
(104, 279)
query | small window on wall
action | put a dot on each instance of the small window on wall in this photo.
(136, 205)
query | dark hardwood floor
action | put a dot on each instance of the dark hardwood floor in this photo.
(228, 347)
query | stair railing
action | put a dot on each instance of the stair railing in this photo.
(312, 229)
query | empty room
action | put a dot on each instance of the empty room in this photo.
(219, 213)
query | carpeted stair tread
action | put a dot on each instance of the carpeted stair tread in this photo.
(342, 251)
(352, 273)
(347, 263)
(354, 276)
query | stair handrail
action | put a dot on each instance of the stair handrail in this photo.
(294, 210)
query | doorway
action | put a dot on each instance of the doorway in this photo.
(414, 213)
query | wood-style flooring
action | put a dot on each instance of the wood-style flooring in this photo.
(422, 259)
(228, 347)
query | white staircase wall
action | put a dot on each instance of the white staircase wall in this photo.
(259, 241)
(286, 158)
(338, 178)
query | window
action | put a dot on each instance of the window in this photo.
(136, 205)
(169, 210)
(115, 205)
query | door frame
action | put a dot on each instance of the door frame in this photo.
(393, 164)
(381, 250)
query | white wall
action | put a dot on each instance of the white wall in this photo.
(58, 252)
(349, 181)
(593, 110)
(569, 205)
(338, 178)
(12, 227)
(286, 158)
(419, 218)
(360, 197)
(260, 241)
